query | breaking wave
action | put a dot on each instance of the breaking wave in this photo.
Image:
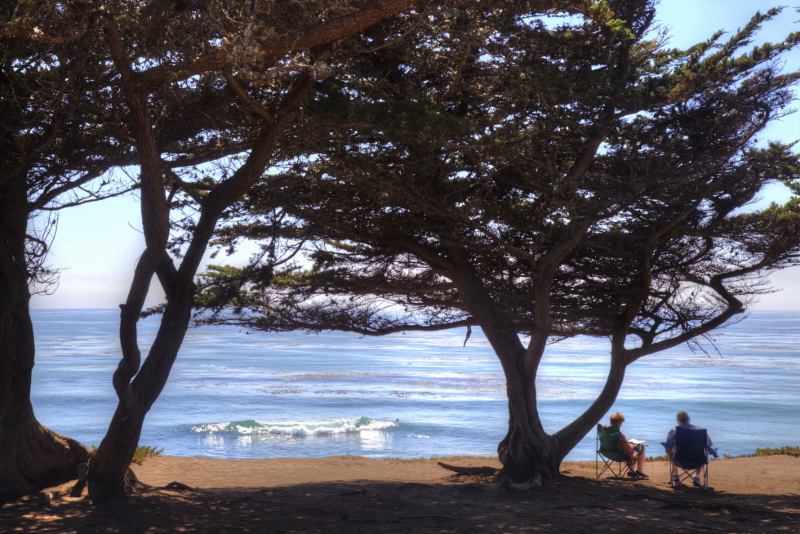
(317, 428)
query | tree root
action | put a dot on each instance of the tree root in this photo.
(178, 486)
(35, 458)
(469, 470)
(534, 482)
(82, 472)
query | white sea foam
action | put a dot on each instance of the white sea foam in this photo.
(320, 427)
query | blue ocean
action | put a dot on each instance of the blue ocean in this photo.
(234, 394)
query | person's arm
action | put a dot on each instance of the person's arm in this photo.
(626, 447)
(670, 439)
(709, 446)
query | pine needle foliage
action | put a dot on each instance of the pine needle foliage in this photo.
(534, 175)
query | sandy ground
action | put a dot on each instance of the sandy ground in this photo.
(355, 494)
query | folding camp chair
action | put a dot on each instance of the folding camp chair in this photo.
(609, 451)
(690, 454)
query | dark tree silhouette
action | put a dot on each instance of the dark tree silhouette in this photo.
(532, 179)
(268, 56)
(54, 153)
(63, 131)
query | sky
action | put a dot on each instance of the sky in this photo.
(97, 244)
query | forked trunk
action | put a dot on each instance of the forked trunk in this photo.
(528, 452)
(527, 449)
(109, 475)
(138, 388)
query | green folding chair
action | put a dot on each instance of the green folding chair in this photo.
(609, 451)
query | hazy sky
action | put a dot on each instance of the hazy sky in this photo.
(98, 244)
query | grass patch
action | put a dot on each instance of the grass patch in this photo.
(767, 451)
(142, 452)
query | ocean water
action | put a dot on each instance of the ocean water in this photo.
(237, 395)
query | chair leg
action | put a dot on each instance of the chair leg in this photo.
(671, 475)
(607, 466)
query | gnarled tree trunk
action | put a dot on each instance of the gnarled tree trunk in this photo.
(528, 453)
(527, 450)
(31, 456)
(107, 473)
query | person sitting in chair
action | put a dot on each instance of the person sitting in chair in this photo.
(683, 419)
(634, 451)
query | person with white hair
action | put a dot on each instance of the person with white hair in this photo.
(684, 421)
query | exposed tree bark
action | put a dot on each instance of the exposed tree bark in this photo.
(526, 449)
(31, 456)
(469, 471)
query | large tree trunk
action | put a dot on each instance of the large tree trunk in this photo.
(31, 456)
(527, 449)
(527, 452)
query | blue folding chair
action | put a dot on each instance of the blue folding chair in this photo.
(690, 454)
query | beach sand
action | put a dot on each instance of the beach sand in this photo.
(355, 494)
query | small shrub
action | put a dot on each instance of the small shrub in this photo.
(142, 452)
(767, 451)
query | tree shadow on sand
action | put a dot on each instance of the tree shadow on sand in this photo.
(463, 503)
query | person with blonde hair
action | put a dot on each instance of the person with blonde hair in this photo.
(634, 449)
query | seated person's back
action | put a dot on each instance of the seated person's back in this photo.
(636, 453)
(684, 421)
